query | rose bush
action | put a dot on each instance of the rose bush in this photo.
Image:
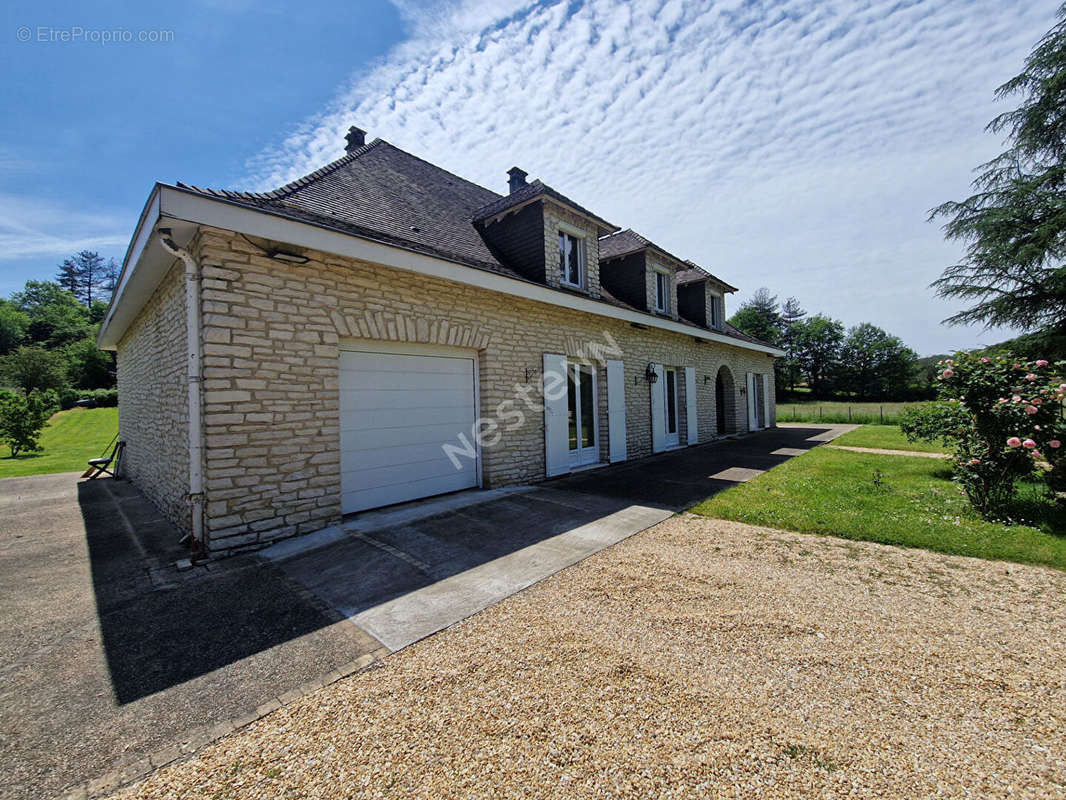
(1003, 419)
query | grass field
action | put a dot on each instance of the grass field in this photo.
(886, 437)
(836, 492)
(69, 440)
(834, 411)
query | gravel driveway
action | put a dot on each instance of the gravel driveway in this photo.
(700, 658)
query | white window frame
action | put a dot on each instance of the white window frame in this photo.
(665, 307)
(717, 311)
(579, 236)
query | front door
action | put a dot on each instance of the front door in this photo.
(581, 413)
(672, 437)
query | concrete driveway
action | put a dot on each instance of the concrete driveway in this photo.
(407, 572)
(111, 656)
(115, 662)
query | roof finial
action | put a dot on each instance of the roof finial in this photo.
(356, 138)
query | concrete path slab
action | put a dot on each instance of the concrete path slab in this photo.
(413, 616)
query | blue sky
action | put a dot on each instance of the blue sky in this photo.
(788, 143)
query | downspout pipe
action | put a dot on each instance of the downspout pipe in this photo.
(194, 376)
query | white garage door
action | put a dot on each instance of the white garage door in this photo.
(397, 410)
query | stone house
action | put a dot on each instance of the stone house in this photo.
(382, 330)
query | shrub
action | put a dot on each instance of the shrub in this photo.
(23, 417)
(1001, 416)
(105, 398)
(34, 369)
(68, 397)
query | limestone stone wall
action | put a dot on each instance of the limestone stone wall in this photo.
(271, 336)
(153, 413)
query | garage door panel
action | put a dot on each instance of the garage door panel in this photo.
(387, 495)
(362, 399)
(411, 382)
(416, 453)
(429, 472)
(397, 410)
(403, 364)
(372, 419)
(354, 440)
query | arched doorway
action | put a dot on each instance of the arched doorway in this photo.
(725, 402)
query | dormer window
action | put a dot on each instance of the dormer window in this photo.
(662, 291)
(572, 259)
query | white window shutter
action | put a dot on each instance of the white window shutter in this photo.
(690, 405)
(752, 423)
(616, 410)
(658, 410)
(556, 443)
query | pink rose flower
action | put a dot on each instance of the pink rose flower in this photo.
(1036, 401)
(1014, 441)
(1031, 409)
(1054, 444)
(974, 462)
(1030, 377)
(985, 359)
(1016, 366)
(1029, 444)
(947, 373)
(1017, 398)
(1002, 400)
(1041, 363)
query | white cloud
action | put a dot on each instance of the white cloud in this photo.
(32, 228)
(794, 144)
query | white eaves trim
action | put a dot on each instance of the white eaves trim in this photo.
(171, 203)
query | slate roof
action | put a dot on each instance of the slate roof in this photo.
(629, 241)
(529, 192)
(387, 194)
(382, 193)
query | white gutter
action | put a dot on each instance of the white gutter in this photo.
(194, 377)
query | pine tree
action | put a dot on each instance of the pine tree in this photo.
(87, 276)
(1015, 222)
(792, 313)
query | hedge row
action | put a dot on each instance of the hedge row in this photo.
(102, 398)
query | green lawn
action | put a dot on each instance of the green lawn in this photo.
(917, 505)
(886, 437)
(841, 411)
(69, 440)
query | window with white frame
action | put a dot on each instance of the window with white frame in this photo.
(717, 311)
(662, 291)
(572, 259)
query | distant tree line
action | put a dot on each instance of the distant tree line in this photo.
(864, 362)
(48, 330)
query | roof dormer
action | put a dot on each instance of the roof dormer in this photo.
(544, 235)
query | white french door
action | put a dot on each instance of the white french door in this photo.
(672, 436)
(581, 414)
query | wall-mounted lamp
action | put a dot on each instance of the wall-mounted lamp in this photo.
(289, 258)
(650, 374)
(531, 373)
(706, 378)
